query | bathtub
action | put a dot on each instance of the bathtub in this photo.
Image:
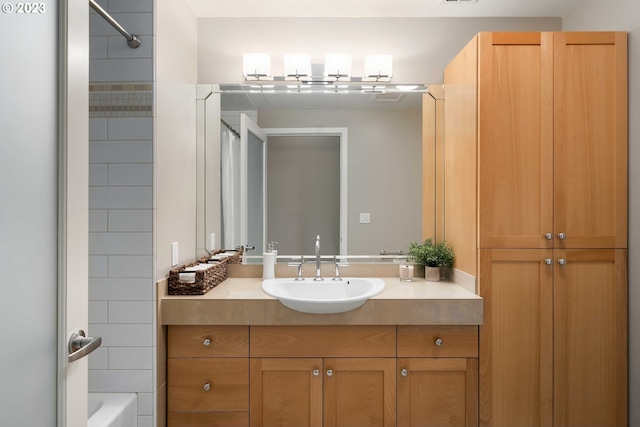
(113, 410)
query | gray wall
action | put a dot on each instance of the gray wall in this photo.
(28, 194)
(303, 191)
(384, 171)
(622, 15)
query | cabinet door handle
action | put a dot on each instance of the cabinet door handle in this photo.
(316, 372)
(562, 261)
(562, 236)
(207, 387)
(548, 261)
(548, 236)
(404, 372)
(206, 342)
(329, 372)
(439, 342)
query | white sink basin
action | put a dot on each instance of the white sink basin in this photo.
(323, 297)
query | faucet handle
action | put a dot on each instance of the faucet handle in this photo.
(338, 264)
(299, 265)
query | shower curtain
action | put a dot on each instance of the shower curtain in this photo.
(230, 182)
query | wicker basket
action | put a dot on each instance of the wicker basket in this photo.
(205, 279)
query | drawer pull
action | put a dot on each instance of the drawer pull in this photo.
(329, 373)
(206, 342)
(439, 342)
(404, 372)
(207, 387)
(316, 372)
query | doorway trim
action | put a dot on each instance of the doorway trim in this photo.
(342, 133)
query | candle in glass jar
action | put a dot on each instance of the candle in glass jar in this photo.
(406, 271)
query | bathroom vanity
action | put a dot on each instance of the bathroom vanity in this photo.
(237, 357)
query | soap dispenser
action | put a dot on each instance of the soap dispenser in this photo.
(269, 261)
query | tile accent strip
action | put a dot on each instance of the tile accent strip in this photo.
(121, 99)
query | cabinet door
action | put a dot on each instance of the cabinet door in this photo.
(516, 352)
(437, 392)
(515, 154)
(590, 139)
(360, 392)
(286, 392)
(590, 338)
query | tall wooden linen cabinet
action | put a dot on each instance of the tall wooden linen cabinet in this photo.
(536, 209)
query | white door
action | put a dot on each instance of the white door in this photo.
(73, 213)
(39, 388)
(253, 185)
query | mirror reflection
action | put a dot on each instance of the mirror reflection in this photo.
(286, 166)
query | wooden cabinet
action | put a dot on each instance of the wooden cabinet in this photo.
(590, 139)
(323, 376)
(590, 338)
(552, 140)
(516, 338)
(536, 208)
(328, 392)
(286, 392)
(208, 376)
(332, 376)
(437, 376)
(360, 392)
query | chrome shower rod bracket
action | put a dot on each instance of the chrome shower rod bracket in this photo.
(132, 40)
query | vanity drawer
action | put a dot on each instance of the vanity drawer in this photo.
(437, 341)
(208, 341)
(208, 384)
(323, 341)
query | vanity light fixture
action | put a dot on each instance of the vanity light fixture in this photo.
(296, 66)
(378, 68)
(337, 67)
(256, 66)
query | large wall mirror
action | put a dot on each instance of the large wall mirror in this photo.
(356, 166)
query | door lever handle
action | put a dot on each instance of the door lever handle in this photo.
(80, 345)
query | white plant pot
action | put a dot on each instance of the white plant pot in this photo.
(432, 274)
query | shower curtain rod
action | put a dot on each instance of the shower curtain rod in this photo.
(132, 40)
(228, 126)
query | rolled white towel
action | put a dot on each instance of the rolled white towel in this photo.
(188, 275)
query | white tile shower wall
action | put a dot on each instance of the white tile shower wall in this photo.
(121, 157)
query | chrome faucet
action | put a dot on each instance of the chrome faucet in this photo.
(318, 275)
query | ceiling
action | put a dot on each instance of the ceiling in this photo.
(382, 8)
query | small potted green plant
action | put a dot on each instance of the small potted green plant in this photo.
(433, 256)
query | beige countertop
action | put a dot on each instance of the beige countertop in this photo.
(241, 301)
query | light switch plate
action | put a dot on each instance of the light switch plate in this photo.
(365, 218)
(174, 254)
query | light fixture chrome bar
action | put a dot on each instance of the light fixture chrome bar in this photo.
(132, 40)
